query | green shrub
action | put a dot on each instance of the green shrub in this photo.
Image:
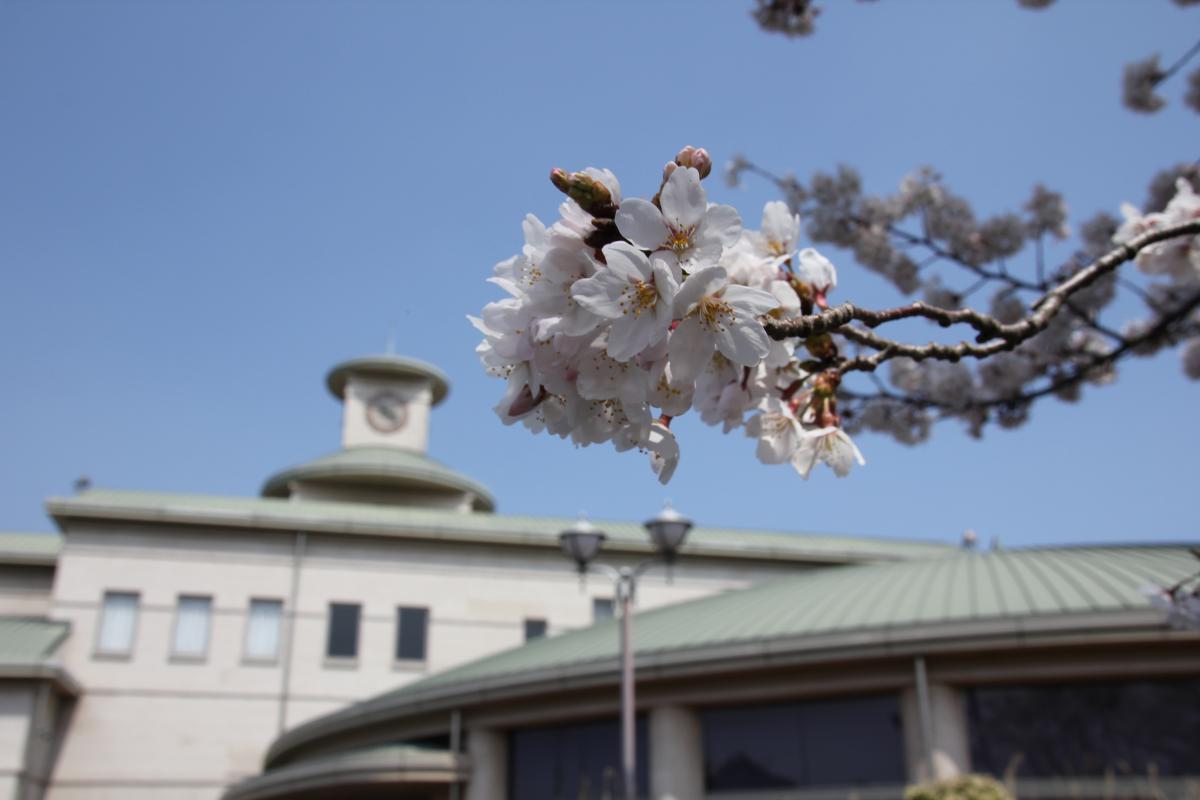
(964, 787)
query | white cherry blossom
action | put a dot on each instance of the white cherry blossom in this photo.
(1178, 258)
(816, 270)
(780, 231)
(716, 314)
(831, 445)
(778, 431)
(635, 292)
(551, 295)
(686, 226)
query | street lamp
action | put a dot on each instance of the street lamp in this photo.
(582, 543)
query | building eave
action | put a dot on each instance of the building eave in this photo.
(958, 637)
(55, 674)
(448, 526)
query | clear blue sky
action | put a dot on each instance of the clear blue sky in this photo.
(203, 206)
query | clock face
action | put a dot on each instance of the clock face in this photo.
(387, 412)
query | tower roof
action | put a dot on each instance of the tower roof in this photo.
(384, 467)
(388, 366)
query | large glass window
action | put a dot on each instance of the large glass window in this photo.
(1086, 729)
(193, 617)
(118, 621)
(263, 625)
(412, 632)
(565, 762)
(342, 641)
(837, 742)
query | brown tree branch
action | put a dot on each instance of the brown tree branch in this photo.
(1161, 328)
(992, 335)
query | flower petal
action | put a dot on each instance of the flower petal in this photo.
(743, 342)
(690, 349)
(749, 300)
(683, 199)
(641, 222)
(627, 261)
(699, 283)
(721, 224)
(599, 293)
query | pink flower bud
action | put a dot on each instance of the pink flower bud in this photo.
(695, 157)
(560, 179)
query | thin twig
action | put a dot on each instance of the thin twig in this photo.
(992, 335)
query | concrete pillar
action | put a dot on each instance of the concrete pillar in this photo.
(676, 754)
(488, 753)
(948, 743)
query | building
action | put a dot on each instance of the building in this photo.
(158, 646)
(1044, 667)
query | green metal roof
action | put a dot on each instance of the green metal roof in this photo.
(958, 595)
(388, 367)
(26, 640)
(387, 466)
(967, 587)
(438, 525)
(29, 548)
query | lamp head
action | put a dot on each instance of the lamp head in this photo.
(581, 543)
(667, 531)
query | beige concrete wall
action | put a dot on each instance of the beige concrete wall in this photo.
(17, 703)
(152, 725)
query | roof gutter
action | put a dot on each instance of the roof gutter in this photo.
(62, 510)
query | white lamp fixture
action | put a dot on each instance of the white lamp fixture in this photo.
(581, 542)
(667, 531)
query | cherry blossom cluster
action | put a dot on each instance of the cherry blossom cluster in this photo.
(927, 240)
(1180, 602)
(1175, 263)
(624, 314)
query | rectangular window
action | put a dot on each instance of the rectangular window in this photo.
(118, 621)
(534, 629)
(412, 626)
(1084, 729)
(602, 608)
(343, 630)
(262, 630)
(796, 745)
(193, 618)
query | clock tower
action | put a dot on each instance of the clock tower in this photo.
(386, 404)
(386, 401)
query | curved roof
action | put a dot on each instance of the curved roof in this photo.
(388, 367)
(380, 466)
(957, 597)
(378, 771)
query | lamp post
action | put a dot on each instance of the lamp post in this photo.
(582, 543)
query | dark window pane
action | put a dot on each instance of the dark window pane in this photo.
(566, 762)
(411, 633)
(804, 744)
(343, 630)
(1086, 729)
(535, 629)
(602, 609)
